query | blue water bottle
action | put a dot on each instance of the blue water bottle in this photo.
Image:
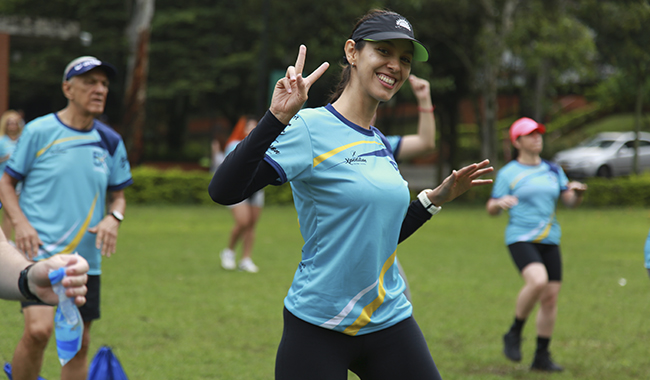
(68, 325)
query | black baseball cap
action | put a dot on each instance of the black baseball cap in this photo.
(390, 26)
(84, 64)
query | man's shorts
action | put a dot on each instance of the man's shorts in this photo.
(90, 310)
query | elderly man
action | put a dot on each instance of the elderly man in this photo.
(72, 166)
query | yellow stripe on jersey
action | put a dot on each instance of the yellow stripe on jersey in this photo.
(82, 230)
(59, 141)
(332, 152)
(364, 318)
(547, 229)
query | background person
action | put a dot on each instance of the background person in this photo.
(11, 126)
(72, 167)
(528, 187)
(245, 213)
(647, 253)
(346, 308)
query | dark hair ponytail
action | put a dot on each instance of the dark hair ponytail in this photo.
(345, 65)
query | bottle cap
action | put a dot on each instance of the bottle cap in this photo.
(56, 275)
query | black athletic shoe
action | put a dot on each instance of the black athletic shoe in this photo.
(512, 346)
(543, 362)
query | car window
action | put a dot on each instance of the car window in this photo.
(598, 143)
(642, 143)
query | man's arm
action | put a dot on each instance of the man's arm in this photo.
(27, 240)
(107, 228)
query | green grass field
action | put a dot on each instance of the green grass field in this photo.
(170, 312)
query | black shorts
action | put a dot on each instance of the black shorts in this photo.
(90, 310)
(524, 253)
(311, 352)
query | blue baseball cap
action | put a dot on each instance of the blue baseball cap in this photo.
(390, 26)
(84, 64)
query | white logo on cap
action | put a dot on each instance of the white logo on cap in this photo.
(94, 62)
(404, 24)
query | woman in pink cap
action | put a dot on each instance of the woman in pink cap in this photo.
(529, 187)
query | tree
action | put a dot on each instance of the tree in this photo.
(551, 49)
(623, 40)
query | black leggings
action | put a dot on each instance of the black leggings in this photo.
(311, 352)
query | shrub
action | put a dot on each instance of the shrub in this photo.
(176, 186)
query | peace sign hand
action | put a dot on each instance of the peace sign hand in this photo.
(290, 92)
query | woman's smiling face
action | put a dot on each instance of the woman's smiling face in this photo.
(382, 67)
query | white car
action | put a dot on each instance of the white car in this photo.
(608, 154)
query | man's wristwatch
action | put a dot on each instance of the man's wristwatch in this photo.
(117, 215)
(23, 285)
(433, 209)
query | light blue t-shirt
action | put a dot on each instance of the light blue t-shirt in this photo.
(351, 201)
(66, 173)
(7, 148)
(538, 189)
(647, 251)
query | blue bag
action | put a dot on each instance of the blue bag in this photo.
(8, 372)
(105, 366)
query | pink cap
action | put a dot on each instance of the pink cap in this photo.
(525, 126)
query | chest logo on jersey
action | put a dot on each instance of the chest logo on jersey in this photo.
(99, 161)
(355, 160)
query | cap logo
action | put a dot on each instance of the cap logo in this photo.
(94, 62)
(403, 23)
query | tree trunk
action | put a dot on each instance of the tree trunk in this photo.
(540, 91)
(490, 111)
(135, 96)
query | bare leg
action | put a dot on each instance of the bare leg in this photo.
(241, 215)
(249, 234)
(536, 279)
(547, 312)
(28, 357)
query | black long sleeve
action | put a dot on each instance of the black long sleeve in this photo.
(244, 170)
(416, 216)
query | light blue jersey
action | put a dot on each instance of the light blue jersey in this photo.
(66, 174)
(351, 201)
(537, 188)
(7, 147)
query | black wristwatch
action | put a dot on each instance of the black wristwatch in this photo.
(23, 286)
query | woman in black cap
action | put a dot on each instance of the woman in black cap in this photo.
(346, 308)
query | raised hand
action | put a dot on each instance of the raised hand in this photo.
(459, 181)
(290, 92)
(421, 90)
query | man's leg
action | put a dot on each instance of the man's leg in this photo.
(28, 357)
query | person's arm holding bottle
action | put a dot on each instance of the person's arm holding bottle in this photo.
(23, 280)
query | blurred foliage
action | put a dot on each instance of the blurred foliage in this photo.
(623, 191)
(214, 59)
(176, 186)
